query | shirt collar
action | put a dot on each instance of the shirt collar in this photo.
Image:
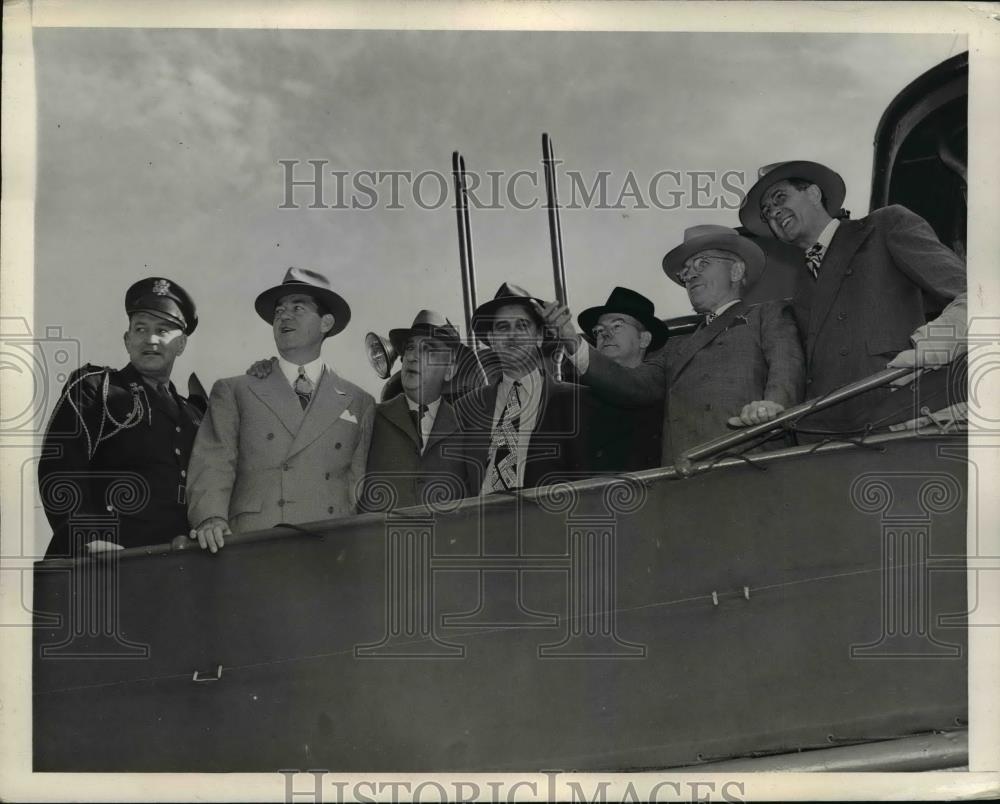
(530, 382)
(826, 236)
(432, 407)
(314, 370)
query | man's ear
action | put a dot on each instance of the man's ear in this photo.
(738, 271)
(645, 338)
(326, 322)
(450, 371)
(182, 340)
(815, 195)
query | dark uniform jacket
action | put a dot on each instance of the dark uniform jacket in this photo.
(748, 353)
(878, 279)
(398, 475)
(555, 449)
(116, 451)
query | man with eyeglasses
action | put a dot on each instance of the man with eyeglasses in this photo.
(288, 447)
(524, 431)
(625, 329)
(863, 295)
(742, 366)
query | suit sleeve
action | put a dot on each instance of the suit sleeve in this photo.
(925, 260)
(69, 439)
(359, 461)
(783, 354)
(212, 469)
(631, 387)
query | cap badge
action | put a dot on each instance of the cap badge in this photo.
(161, 287)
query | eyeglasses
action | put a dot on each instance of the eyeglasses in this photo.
(610, 330)
(698, 265)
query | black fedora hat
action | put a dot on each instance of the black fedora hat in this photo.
(827, 180)
(630, 303)
(311, 283)
(506, 294)
(165, 299)
(432, 324)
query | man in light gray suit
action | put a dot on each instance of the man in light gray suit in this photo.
(290, 447)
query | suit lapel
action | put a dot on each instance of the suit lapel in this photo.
(275, 392)
(397, 411)
(846, 241)
(703, 336)
(445, 423)
(328, 402)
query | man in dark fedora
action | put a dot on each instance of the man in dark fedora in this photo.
(524, 430)
(416, 448)
(625, 329)
(291, 447)
(127, 430)
(743, 365)
(862, 297)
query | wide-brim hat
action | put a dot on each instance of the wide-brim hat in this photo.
(311, 283)
(827, 180)
(627, 302)
(165, 299)
(482, 318)
(705, 236)
(432, 324)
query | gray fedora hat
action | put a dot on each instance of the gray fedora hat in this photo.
(705, 236)
(312, 283)
(827, 180)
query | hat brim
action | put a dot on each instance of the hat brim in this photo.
(827, 180)
(748, 251)
(184, 326)
(484, 312)
(399, 337)
(333, 302)
(588, 320)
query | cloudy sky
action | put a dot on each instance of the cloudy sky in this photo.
(158, 154)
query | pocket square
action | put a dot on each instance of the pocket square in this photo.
(348, 417)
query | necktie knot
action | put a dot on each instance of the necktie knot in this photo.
(814, 257)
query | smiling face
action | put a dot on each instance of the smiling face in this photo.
(299, 327)
(712, 277)
(153, 343)
(793, 215)
(427, 365)
(516, 336)
(622, 338)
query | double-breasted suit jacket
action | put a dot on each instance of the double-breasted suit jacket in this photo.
(748, 353)
(879, 278)
(443, 471)
(555, 448)
(259, 459)
(117, 451)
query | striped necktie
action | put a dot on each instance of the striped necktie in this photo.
(417, 417)
(303, 387)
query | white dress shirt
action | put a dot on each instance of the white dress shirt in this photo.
(426, 421)
(314, 371)
(826, 236)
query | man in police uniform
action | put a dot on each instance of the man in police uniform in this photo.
(117, 446)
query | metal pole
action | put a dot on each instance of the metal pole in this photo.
(464, 244)
(555, 229)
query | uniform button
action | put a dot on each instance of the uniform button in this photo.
(329, 510)
(327, 475)
(184, 473)
(177, 451)
(281, 503)
(177, 429)
(270, 436)
(844, 351)
(110, 507)
(841, 316)
(337, 445)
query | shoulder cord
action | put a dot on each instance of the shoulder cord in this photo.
(133, 418)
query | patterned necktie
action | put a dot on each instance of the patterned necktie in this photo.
(417, 417)
(303, 387)
(502, 472)
(814, 256)
(710, 317)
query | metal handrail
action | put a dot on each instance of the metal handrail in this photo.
(789, 416)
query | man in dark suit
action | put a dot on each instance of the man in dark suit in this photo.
(616, 439)
(743, 365)
(118, 443)
(524, 431)
(862, 297)
(416, 454)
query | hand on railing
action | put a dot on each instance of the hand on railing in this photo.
(759, 412)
